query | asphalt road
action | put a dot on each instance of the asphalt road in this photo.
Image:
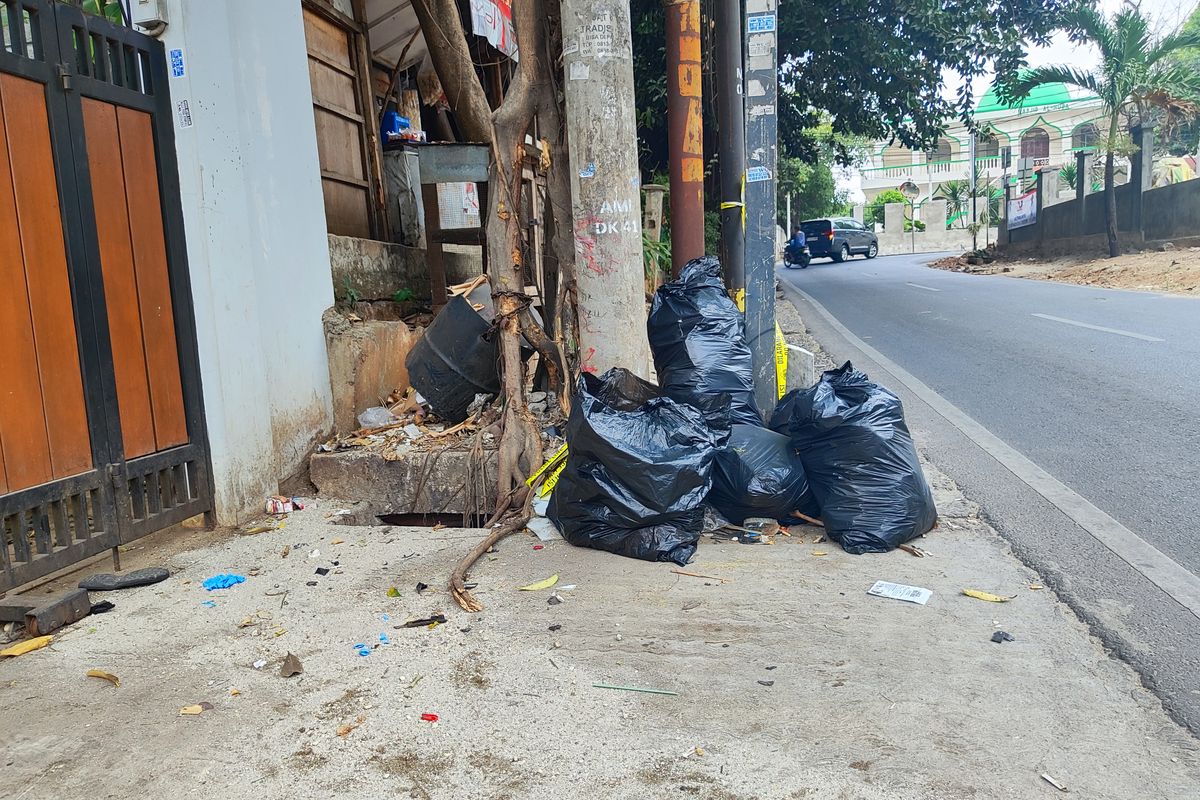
(1099, 388)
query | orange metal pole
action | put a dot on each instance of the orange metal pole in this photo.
(685, 131)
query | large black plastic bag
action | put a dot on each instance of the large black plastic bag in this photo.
(860, 460)
(758, 474)
(638, 470)
(699, 343)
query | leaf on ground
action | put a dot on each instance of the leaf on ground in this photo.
(338, 541)
(535, 587)
(346, 730)
(291, 666)
(393, 591)
(27, 646)
(819, 553)
(108, 676)
(988, 596)
(191, 711)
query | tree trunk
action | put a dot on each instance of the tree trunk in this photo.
(1110, 191)
(505, 129)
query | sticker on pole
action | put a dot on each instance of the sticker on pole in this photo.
(175, 56)
(758, 174)
(898, 591)
(762, 23)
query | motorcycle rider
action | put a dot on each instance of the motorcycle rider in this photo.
(797, 243)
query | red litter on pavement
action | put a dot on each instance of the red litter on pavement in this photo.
(429, 717)
(538, 546)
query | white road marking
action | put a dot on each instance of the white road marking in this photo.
(926, 288)
(1101, 328)
(1156, 566)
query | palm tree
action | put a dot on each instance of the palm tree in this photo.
(1135, 80)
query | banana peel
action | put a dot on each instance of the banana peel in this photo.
(27, 646)
(536, 587)
(988, 596)
(108, 676)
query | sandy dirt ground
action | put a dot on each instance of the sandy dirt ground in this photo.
(868, 697)
(1173, 271)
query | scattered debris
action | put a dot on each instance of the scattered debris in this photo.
(108, 676)
(539, 547)
(1036, 586)
(362, 650)
(554, 599)
(820, 553)
(291, 666)
(808, 519)
(988, 596)
(234, 692)
(262, 662)
(103, 607)
(209, 603)
(338, 541)
(427, 717)
(315, 554)
(376, 417)
(899, 591)
(278, 504)
(107, 582)
(999, 637)
(543, 529)
(698, 575)
(393, 591)
(223, 581)
(544, 584)
(322, 571)
(766, 683)
(286, 551)
(555, 627)
(346, 730)
(1053, 782)
(436, 619)
(421, 587)
(690, 604)
(912, 549)
(195, 710)
(633, 689)
(262, 529)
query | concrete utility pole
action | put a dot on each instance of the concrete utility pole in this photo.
(605, 185)
(762, 145)
(685, 131)
(731, 121)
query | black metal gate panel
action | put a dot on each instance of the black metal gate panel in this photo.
(102, 436)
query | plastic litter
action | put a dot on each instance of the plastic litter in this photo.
(103, 607)
(278, 504)
(429, 717)
(899, 591)
(758, 474)
(697, 336)
(860, 460)
(223, 581)
(639, 468)
(376, 417)
(1000, 637)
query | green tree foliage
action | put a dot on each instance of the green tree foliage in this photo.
(1184, 139)
(813, 189)
(109, 9)
(1136, 80)
(876, 67)
(873, 213)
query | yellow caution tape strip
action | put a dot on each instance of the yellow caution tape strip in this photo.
(559, 455)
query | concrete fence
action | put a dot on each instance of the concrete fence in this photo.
(1080, 224)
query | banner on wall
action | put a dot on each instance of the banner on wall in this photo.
(492, 19)
(1022, 210)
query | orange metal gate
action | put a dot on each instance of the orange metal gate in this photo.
(101, 429)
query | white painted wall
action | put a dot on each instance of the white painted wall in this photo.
(256, 239)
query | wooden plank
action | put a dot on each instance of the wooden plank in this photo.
(45, 255)
(58, 523)
(326, 39)
(332, 89)
(338, 144)
(22, 422)
(333, 176)
(345, 209)
(41, 529)
(153, 278)
(120, 279)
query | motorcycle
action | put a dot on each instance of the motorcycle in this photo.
(796, 257)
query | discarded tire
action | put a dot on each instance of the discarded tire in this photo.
(638, 470)
(860, 460)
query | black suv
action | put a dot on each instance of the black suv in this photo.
(839, 238)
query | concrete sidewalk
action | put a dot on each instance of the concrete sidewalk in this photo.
(872, 698)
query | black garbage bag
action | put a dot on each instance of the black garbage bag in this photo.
(860, 459)
(698, 340)
(759, 474)
(638, 469)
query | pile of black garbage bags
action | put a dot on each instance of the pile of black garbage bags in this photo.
(645, 460)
